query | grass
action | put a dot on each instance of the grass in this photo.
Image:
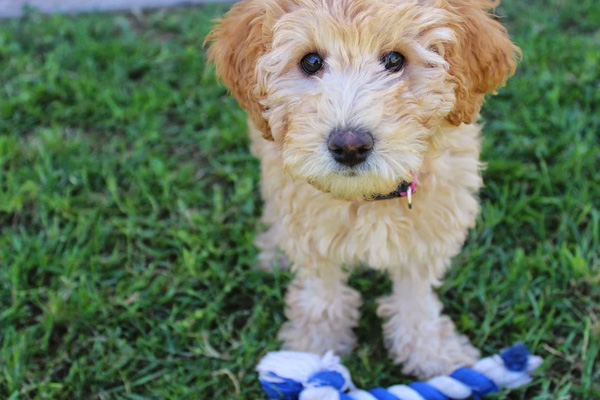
(129, 202)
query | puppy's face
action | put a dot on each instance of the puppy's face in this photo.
(352, 90)
(357, 126)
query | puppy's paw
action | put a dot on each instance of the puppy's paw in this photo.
(316, 338)
(435, 349)
(269, 260)
(321, 317)
(440, 357)
(270, 256)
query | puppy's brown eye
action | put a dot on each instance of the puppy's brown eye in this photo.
(393, 61)
(311, 63)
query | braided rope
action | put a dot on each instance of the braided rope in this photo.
(288, 375)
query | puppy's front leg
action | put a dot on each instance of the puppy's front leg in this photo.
(322, 310)
(416, 333)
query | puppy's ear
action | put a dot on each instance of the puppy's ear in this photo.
(482, 59)
(236, 43)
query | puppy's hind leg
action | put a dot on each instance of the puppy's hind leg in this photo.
(416, 333)
(270, 256)
(322, 310)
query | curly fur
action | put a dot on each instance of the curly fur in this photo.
(422, 120)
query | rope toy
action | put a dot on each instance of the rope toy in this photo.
(290, 375)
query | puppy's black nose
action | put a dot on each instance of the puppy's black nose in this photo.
(350, 146)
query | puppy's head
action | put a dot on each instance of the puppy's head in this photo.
(352, 89)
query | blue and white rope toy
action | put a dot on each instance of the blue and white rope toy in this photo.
(290, 375)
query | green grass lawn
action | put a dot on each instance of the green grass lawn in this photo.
(129, 202)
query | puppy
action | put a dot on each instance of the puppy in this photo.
(353, 104)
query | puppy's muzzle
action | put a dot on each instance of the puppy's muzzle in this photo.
(350, 146)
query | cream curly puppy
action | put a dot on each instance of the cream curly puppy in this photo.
(349, 103)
